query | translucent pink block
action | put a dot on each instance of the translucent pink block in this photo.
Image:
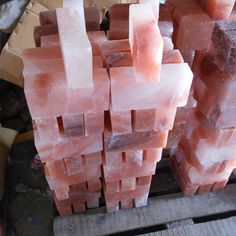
(119, 29)
(94, 123)
(62, 193)
(194, 32)
(94, 185)
(118, 59)
(134, 158)
(172, 57)
(73, 125)
(128, 184)
(155, 6)
(77, 54)
(96, 38)
(49, 41)
(93, 159)
(218, 9)
(145, 180)
(165, 22)
(92, 19)
(55, 168)
(74, 165)
(135, 141)
(112, 186)
(48, 17)
(121, 122)
(64, 211)
(152, 155)
(171, 91)
(113, 160)
(47, 129)
(68, 146)
(168, 45)
(146, 53)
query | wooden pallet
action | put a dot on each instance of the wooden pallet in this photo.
(167, 213)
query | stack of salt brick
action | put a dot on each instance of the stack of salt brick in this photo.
(67, 91)
(144, 99)
(204, 159)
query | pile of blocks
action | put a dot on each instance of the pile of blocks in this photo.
(102, 109)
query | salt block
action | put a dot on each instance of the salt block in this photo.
(118, 59)
(152, 155)
(171, 91)
(55, 168)
(77, 58)
(155, 6)
(48, 129)
(73, 125)
(134, 158)
(49, 41)
(94, 123)
(168, 45)
(121, 122)
(119, 29)
(135, 141)
(48, 17)
(203, 189)
(62, 193)
(127, 204)
(128, 184)
(119, 11)
(96, 38)
(172, 57)
(165, 22)
(146, 53)
(92, 19)
(74, 165)
(112, 186)
(144, 180)
(93, 159)
(94, 185)
(194, 32)
(64, 211)
(223, 39)
(44, 30)
(113, 161)
(219, 185)
(218, 9)
(66, 147)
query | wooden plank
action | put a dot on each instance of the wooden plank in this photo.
(20, 138)
(225, 227)
(160, 210)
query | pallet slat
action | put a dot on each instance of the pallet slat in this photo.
(160, 210)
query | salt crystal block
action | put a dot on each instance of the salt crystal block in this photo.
(194, 32)
(155, 6)
(165, 22)
(94, 185)
(64, 180)
(134, 158)
(93, 159)
(113, 160)
(171, 91)
(121, 122)
(118, 59)
(135, 141)
(152, 155)
(119, 11)
(94, 123)
(74, 165)
(92, 19)
(96, 38)
(119, 29)
(73, 125)
(49, 41)
(141, 201)
(56, 168)
(172, 57)
(127, 204)
(128, 184)
(144, 180)
(219, 185)
(77, 54)
(223, 39)
(62, 193)
(218, 9)
(64, 211)
(48, 17)
(144, 120)
(168, 45)
(146, 53)
(47, 129)
(44, 30)
(112, 186)
(68, 146)
(203, 189)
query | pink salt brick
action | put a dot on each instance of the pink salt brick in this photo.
(168, 45)
(93, 203)
(219, 185)
(112, 186)
(94, 185)
(73, 125)
(172, 57)
(128, 184)
(93, 159)
(121, 122)
(94, 123)
(155, 6)
(55, 168)
(113, 160)
(73, 30)
(152, 155)
(50, 41)
(141, 201)
(119, 29)
(127, 204)
(64, 211)
(92, 19)
(176, 77)
(79, 207)
(118, 59)
(218, 9)
(134, 158)
(146, 53)
(48, 17)
(165, 22)
(48, 129)
(74, 165)
(62, 193)
(145, 180)
(96, 38)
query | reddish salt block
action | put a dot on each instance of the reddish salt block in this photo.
(194, 32)
(165, 22)
(127, 204)
(73, 125)
(223, 40)
(172, 57)
(134, 158)
(146, 53)
(96, 38)
(219, 185)
(94, 123)
(152, 155)
(55, 168)
(168, 45)
(64, 211)
(141, 201)
(79, 207)
(118, 60)
(155, 6)
(144, 180)
(93, 159)
(92, 19)
(218, 9)
(119, 11)
(119, 29)
(128, 184)
(112, 186)
(113, 160)
(135, 141)
(121, 122)
(77, 59)
(44, 30)
(176, 77)
(62, 193)
(48, 17)
(144, 120)
(203, 189)
(73, 165)
(49, 41)
(94, 185)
